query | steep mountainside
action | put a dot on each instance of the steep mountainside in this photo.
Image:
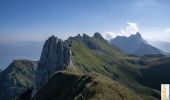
(95, 54)
(84, 67)
(134, 44)
(55, 56)
(76, 86)
(156, 72)
(16, 79)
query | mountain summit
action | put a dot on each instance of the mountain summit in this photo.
(56, 56)
(98, 35)
(134, 44)
(138, 35)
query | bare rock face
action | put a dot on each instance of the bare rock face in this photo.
(56, 56)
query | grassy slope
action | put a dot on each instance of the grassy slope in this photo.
(120, 72)
(16, 78)
(106, 60)
(76, 86)
(109, 62)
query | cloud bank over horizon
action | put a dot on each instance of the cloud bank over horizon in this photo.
(154, 34)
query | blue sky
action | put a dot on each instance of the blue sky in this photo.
(25, 24)
(34, 20)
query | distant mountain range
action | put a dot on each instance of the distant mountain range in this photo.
(165, 46)
(85, 68)
(31, 50)
(134, 44)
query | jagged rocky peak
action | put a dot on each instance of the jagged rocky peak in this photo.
(55, 56)
(89, 41)
(134, 44)
(137, 36)
(98, 35)
(79, 36)
(82, 38)
(85, 36)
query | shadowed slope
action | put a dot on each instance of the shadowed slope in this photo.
(16, 78)
(71, 86)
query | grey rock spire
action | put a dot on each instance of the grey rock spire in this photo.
(55, 56)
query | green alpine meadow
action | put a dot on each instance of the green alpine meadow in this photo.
(97, 70)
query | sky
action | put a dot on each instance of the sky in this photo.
(36, 20)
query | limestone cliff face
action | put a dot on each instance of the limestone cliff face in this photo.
(56, 56)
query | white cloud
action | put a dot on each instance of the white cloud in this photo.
(131, 28)
(167, 30)
(162, 34)
(110, 34)
(149, 33)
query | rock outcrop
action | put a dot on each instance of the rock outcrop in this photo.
(97, 35)
(56, 56)
(135, 45)
(16, 79)
(88, 41)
